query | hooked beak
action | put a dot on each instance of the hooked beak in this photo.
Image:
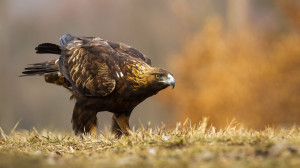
(170, 80)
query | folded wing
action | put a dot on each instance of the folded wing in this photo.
(88, 65)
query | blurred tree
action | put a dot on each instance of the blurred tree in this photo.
(291, 10)
(241, 75)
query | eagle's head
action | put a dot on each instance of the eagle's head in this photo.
(148, 80)
(159, 79)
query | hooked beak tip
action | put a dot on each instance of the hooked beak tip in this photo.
(171, 81)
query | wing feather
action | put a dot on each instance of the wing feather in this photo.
(88, 67)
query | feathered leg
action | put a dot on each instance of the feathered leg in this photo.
(84, 120)
(120, 125)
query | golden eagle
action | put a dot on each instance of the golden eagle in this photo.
(102, 76)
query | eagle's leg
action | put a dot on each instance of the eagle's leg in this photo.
(115, 128)
(84, 120)
(120, 125)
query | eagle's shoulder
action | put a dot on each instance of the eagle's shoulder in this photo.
(125, 49)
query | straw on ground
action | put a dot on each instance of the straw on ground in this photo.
(183, 146)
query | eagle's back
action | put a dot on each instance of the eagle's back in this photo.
(96, 67)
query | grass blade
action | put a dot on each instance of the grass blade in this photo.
(3, 134)
(16, 125)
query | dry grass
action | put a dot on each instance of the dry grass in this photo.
(184, 146)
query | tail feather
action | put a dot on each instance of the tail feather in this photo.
(48, 48)
(42, 68)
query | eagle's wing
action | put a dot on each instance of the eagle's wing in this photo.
(89, 65)
(123, 48)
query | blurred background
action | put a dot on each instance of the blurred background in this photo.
(231, 59)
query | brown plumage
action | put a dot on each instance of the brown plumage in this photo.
(102, 76)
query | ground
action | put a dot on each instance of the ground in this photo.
(183, 146)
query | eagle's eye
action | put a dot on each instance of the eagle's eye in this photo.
(157, 76)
